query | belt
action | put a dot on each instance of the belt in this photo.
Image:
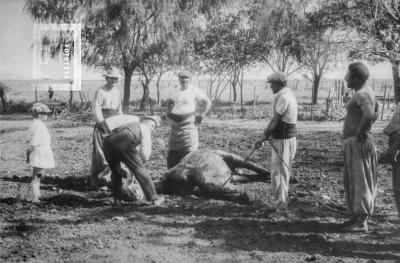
(119, 129)
(180, 117)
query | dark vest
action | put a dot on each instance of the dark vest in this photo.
(107, 113)
(284, 130)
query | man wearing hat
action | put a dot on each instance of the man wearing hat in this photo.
(181, 109)
(360, 161)
(106, 103)
(131, 144)
(282, 132)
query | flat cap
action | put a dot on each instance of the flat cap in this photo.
(155, 118)
(278, 77)
(38, 107)
(184, 74)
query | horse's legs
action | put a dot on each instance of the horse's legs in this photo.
(235, 161)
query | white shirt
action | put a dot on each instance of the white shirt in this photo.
(185, 101)
(119, 120)
(38, 134)
(285, 104)
(145, 144)
(39, 139)
(106, 99)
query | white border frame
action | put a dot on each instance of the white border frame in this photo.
(76, 28)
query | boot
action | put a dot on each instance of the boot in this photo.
(361, 225)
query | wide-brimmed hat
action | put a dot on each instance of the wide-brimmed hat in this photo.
(39, 107)
(278, 77)
(112, 74)
(155, 118)
(184, 74)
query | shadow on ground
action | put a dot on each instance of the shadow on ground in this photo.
(312, 237)
(78, 184)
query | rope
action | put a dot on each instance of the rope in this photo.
(305, 187)
(245, 160)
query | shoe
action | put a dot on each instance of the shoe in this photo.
(357, 227)
(360, 224)
(349, 222)
(278, 215)
(158, 201)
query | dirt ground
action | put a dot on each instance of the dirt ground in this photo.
(73, 224)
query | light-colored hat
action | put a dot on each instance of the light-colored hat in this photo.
(278, 77)
(111, 74)
(38, 107)
(155, 118)
(184, 74)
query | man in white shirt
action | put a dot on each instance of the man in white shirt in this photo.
(106, 103)
(131, 145)
(282, 129)
(184, 137)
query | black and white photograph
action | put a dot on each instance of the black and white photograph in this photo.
(168, 131)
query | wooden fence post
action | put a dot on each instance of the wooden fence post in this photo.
(36, 99)
(383, 104)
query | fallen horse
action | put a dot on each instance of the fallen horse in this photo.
(207, 171)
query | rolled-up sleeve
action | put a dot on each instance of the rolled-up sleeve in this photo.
(281, 105)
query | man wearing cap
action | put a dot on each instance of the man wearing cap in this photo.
(181, 109)
(282, 131)
(106, 103)
(360, 161)
(131, 144)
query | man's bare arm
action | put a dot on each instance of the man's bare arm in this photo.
(207, 107)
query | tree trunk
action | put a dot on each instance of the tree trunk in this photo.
(317, 79)
(396, 80)
(241, 88)
(3, 100)
(71, 97)
(158, 89)
(234, 92)
(234, 85)
(146, 93)
(127, 90)
(160, 74)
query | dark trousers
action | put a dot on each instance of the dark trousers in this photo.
(174, 157)
(119, 147)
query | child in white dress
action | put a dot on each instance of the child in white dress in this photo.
(39, 154)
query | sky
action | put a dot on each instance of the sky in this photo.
(16, 53)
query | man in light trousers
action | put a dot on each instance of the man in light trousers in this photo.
(282, 131)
